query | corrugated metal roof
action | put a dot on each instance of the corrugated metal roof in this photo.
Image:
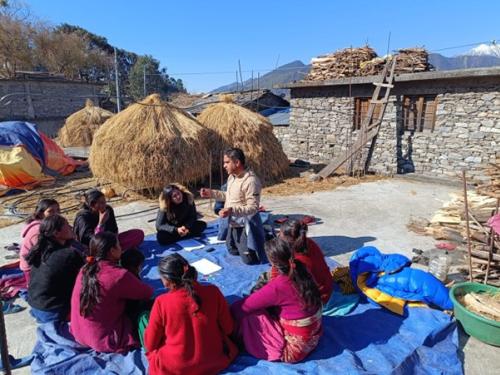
(279, 117)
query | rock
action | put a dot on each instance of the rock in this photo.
(473, 159)
(488, 97)
(477, 135)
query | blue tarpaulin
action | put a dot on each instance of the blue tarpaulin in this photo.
(368, 340)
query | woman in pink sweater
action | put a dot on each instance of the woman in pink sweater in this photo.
(44, 208)
(98, 318)
(282, 320)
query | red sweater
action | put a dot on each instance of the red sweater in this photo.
(180, 341)
(314, 260)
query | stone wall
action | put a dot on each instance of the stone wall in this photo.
(45, 103)
(466, 133)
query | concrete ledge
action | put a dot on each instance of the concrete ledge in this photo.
(422, 76)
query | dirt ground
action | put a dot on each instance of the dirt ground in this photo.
(69, 189)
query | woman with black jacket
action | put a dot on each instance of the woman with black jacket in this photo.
(177, 218)
(97, 216)
(54, 267)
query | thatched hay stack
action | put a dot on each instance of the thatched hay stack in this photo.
(79, 128)
(150, 144)
(235, 126)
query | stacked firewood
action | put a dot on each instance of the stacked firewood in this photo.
(411, 60)
(449, 223)
(351, 62)
(372, 67)
(344, 63)
(492, 188)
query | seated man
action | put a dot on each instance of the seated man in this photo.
(245, 236)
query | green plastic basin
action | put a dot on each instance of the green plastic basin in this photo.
(484, 329)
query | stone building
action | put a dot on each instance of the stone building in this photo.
(436, 123)
(44, 101)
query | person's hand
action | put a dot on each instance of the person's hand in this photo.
(225, 212)
(205, 193)
(182, 231)
(103, 217)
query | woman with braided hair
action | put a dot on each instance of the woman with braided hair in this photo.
(308, 253)
(102, 288)
(282, 320)
(189, 326)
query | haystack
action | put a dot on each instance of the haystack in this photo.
(149, 145)
(235, 126)
(79, 128)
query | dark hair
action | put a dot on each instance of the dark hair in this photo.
(99, 248)
(90, 197)
(176, 269)
(295, 232)
(132, 259)
(45, 243)
(235, 154)
(280, 255)
(166, 196)
(41, 207)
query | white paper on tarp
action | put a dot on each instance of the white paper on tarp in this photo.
(190, 244)
(206, 267)
(213, 240)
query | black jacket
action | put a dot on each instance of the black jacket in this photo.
(53, 280)
(183, 214)
(86, 221)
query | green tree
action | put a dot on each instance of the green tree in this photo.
(157, 80)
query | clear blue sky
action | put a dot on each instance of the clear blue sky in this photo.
(190, 36)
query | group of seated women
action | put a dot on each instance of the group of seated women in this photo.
(89, 275)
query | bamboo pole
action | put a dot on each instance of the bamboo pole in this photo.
(4, 349)
(210, 179)
(492, 245)
(467, 224)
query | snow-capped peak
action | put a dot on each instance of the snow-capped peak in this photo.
(492, 49)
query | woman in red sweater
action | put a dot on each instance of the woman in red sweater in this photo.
(308, 252)
(189, 326)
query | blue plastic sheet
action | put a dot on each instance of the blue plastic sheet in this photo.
(368, 340)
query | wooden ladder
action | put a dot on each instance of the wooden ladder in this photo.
(370, 125)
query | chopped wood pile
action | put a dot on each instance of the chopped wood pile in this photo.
(493, 188)
(449, 223)
(484, 304)
(411, 60)
(344, 63)
(355, 62)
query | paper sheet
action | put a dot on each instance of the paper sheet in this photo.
(212, 240)
(206, 267)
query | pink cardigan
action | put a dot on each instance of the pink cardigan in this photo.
(30, 236)
(108, 329)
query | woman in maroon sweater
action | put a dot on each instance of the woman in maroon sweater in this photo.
(189, 326)
(102, 288)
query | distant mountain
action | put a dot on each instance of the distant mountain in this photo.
(441, 62)
(294, 71)
(492, 49)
